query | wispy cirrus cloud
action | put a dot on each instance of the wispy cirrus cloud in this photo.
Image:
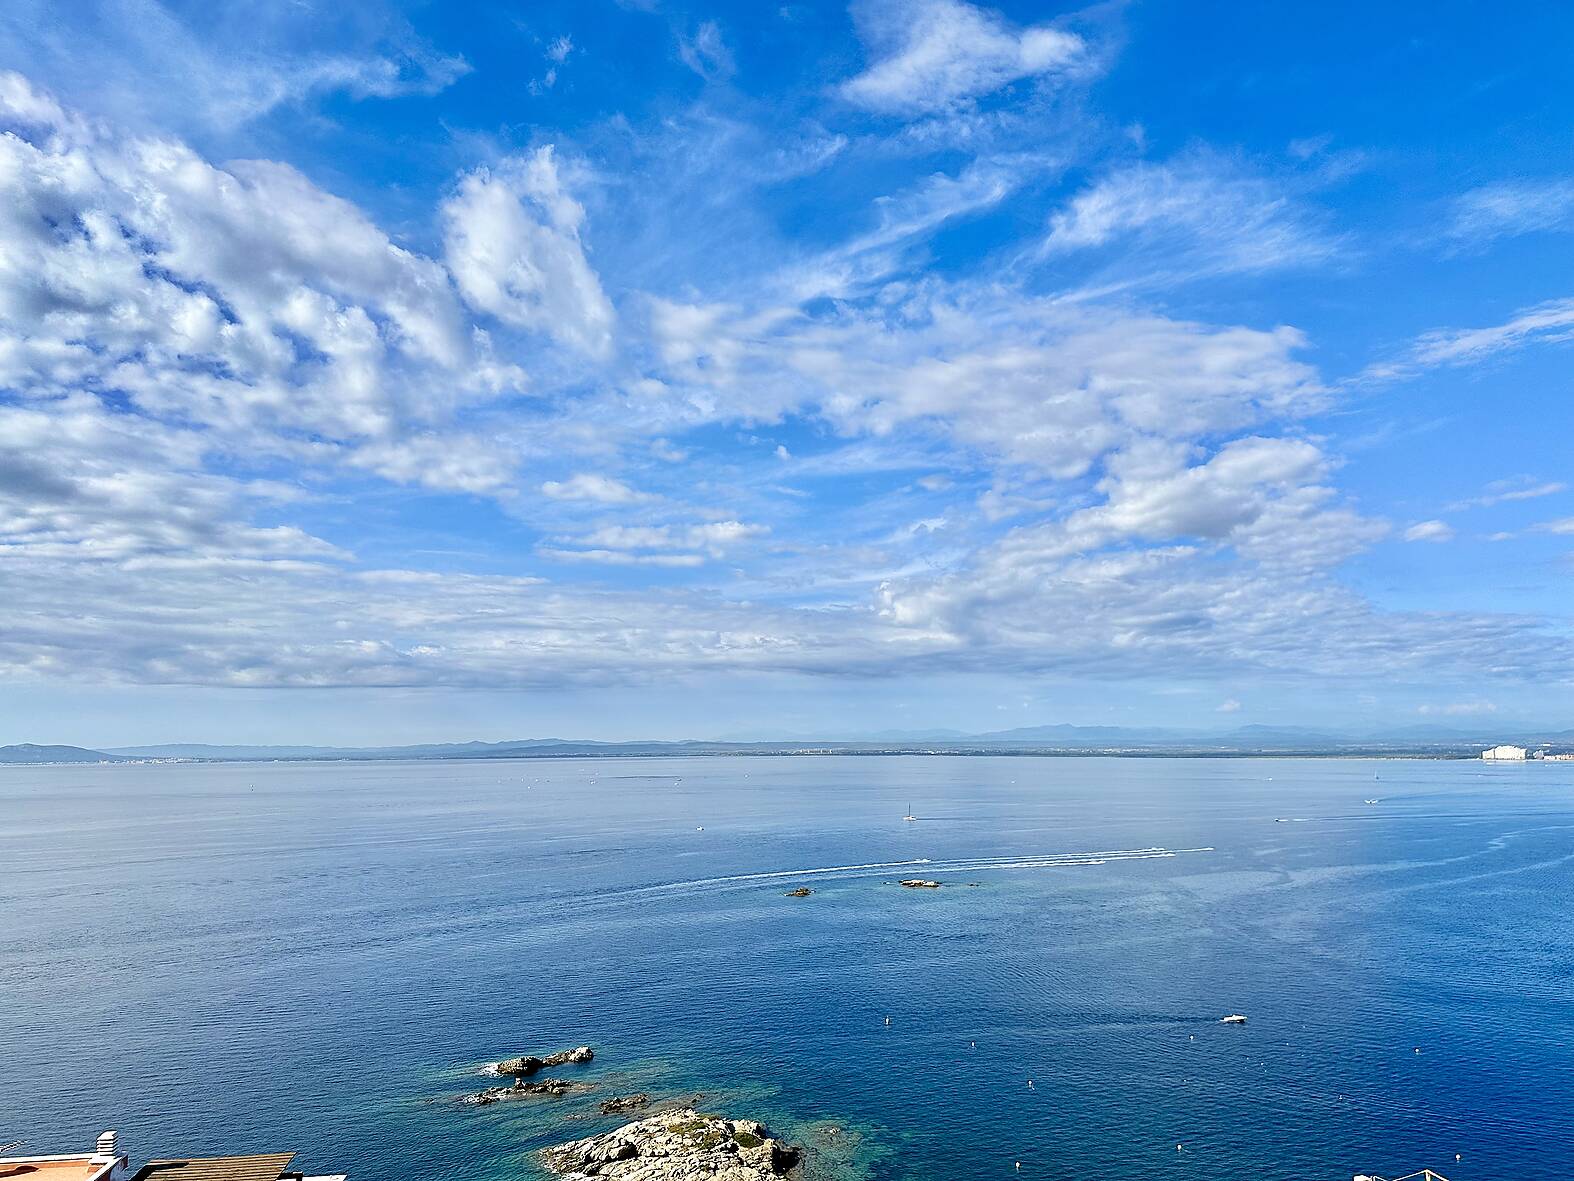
(1547, 323)
(1202, 214)
(937, 55)
(1433, 531)
(1510, 491)
(230, 67)
(594, 487)
(1511, 208)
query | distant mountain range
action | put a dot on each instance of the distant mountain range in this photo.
(1441, 741)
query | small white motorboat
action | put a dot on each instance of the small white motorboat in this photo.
(1232, 1019)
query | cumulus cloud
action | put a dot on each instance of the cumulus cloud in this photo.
(82, 484)
(244, 300)
(191, 353)
(1035, 382)
(512, 241)
(938, 54)
(608, 542)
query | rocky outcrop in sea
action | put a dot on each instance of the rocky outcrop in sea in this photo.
(529, 1064)
(681, 1145)
(521, 1089)
(619, 1104)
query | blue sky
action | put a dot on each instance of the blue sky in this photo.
(392, 372)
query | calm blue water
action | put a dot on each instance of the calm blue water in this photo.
(254, 957)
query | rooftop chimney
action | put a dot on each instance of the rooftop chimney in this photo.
(109, 1143)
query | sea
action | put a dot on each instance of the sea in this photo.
(322, 957)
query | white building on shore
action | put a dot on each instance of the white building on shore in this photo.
(1506, 754)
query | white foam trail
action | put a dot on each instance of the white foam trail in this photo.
(798, 873)
(957, 865)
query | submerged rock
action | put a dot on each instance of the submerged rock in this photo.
(680, 1145)
(520, 1089)
(621, 1103)
(919, 884)
(530, 1064)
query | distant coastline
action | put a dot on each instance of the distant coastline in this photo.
(1222, 747)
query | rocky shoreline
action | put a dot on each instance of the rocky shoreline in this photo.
(681, 1145)
(676, 1143)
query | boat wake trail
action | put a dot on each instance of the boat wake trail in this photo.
(969, 865)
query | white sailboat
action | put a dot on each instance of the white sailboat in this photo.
(909, 815)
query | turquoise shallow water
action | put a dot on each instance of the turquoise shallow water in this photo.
(254, 957)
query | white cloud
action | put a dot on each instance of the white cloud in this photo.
(1512, 208)
(620, 557)
(171, 330)
(1033, 382)
(245, 300)
(716, 537)
(512, 241)
(1563, 527)
(1506, 491)
(1433, 531)
(593, 487)
(224, 69)
(935, 55)
(1230, 706)
(706, 53)
(1197, 215)
(1547, 323)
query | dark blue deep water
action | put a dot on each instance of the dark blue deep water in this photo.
(256, 957)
